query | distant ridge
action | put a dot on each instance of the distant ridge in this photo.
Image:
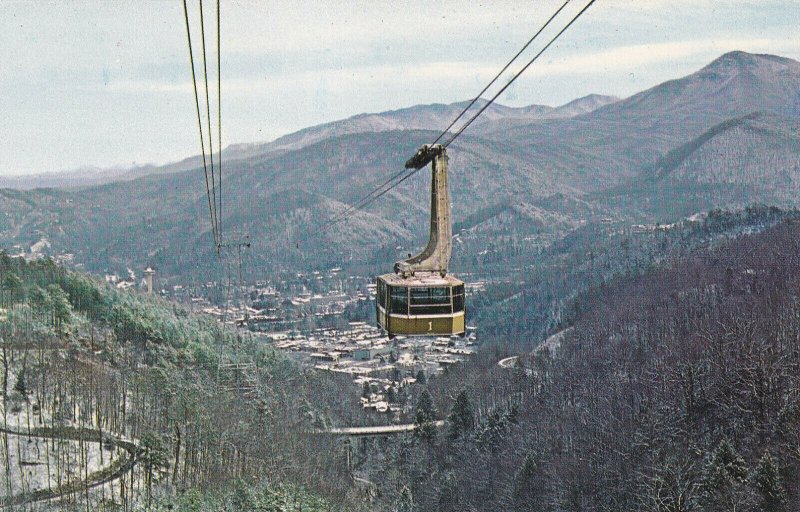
(582, 105)
(734, 84)
(760, 151)
(434, 117)
(724, 136)
(633, 133)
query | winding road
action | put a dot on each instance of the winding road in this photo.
(111, 472)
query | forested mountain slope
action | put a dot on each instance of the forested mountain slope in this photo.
(753, 156)
(531, 305)
(633, 133)
(280, 201)
(672, 390)
(145, 402)
(744, 152)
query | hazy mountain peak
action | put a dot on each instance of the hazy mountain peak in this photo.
(583, 105)
(743, 59)
(734, 84)
(739, 63)
(479, 103)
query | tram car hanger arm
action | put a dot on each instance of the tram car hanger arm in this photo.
(423, 156)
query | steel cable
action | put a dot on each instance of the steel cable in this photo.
(200, 124)
(367, 199)
(535, 57)
(371, 197)
(219, 124)
(208, 117)
(471, 103)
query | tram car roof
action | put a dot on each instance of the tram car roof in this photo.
(425, 279)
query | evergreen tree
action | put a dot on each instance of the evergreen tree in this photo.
(20, 386)
(39, 298)
(404, 501)
(461, 420)
(421, 377)
(12, 286)
(528, 487)
(40, 302)
(62, 309)
(243, 497)
(724, 486)
(491, 435)
(769, 485)
(425, 418)
(155, 459)
(449, 495)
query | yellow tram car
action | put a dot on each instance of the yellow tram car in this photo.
(420, 305)
(420, 298)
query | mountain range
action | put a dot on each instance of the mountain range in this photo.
(724, 136)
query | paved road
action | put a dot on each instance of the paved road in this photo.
(553, 343)
(507, 362)
(104, 475)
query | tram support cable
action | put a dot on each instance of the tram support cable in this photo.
(499, 74)
(219, 123)
(200, 125)
(517, 75)
(377, 189)
(377, 193)
(410, 173)
(208, 118)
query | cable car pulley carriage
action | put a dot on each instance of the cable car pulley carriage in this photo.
(420, 297)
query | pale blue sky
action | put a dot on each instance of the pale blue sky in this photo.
(108, 83)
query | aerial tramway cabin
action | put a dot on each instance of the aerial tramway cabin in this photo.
(420, 298)
(420, 305)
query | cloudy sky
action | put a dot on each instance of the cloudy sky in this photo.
(108, 83)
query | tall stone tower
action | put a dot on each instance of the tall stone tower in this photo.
(148, 278)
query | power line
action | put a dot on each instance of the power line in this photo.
(208, 117)
(377, 193)
(364, 203)
(337, 218)
(199, 123)
(517, 75)
(219, 122)
(215, 203)
(368, 199)
(461, 130)
(471, 103)
(377, 190)
(239, 244)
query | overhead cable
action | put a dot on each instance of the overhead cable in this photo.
(208, 117)
(219, 124)
(382, 189)
(378, 190)
(517, 75)
(200, 126)
(474, 100)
